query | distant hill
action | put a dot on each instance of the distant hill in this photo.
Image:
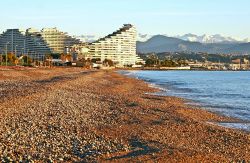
(206, 39)
(160, 43)
(243, 48)
(209, 38)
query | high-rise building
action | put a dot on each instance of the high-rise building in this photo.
(35, 43)
(13, 40)
(19, 42)
(120, 47)
(58, 40)
(78, 51)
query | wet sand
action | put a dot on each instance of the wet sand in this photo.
(71, 115)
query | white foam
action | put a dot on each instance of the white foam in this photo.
(240, 126)
(152, 85)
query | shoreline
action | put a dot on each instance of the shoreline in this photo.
(102, 116)
(193, 104)
(158, 69)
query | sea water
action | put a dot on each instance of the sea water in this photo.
(223, 92)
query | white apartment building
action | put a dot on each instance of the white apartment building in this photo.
(35, 43)
(120, 47)
(57, 40)
(12, 40)
(78, 51)
(20, 42)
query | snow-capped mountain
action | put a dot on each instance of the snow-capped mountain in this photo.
(217, 38)
(187, 37)
(87, 38)
(143, 37)
(247, 40)
(209, 38)
(91, 38)
(161, 44)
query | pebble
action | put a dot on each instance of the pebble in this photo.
(68, 120)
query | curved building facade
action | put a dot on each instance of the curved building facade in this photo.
(58, 40)
(19, 42)
(120, 47)
(35, 43)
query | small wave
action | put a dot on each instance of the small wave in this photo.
(241, 126)
(220, 92)
(127, 73)
(152, 85)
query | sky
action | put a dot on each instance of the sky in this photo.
(101, 17)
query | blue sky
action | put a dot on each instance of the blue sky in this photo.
(100, 17)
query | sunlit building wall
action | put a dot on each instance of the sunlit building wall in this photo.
(120, 47)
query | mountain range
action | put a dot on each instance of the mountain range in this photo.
(188, 42)
(217, 38)
(87, 38)
(161, 43)
(210, 38)
(187, 37)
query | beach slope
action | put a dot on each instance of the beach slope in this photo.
(81, 115)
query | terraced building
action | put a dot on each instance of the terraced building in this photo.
(35, 43)
(57, 40)
(120, 47)
(20, 42)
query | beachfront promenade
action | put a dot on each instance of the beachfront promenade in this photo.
(71, 114)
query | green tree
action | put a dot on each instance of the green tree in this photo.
(94, 60)
(27, 60)
(11, 58)
(149, 62)
(1, 58)
(108, 62)
(169, 63)
(55, 55)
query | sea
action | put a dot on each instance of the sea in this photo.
(223, 92)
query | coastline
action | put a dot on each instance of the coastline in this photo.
(162, 91)
(106, 116)
(233, 123)
(158, 69)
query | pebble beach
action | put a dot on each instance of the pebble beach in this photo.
(77, 115)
